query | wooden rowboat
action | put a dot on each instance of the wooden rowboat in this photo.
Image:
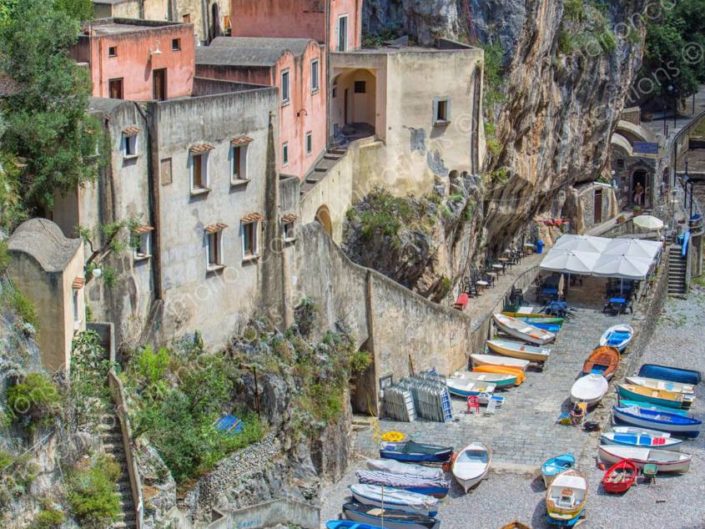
(662, 397)
(618, 336)
(389, 518)
(498, 378)
(567, 495)
(518, 374)
(674, 374)
(494, 360)
(412, 452)
(674, 423)
(522, 330)
(603, 360)
(554, 466)
(655, 383)
(464, 387)
(515, 525)
(635, 436)
(519, 350)
(530, 315)
(665, 460)
(620, 477)
(472, 465)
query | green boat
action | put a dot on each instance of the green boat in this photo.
(551, 320)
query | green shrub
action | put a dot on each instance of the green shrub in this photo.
(92, 495)
(35, 401)
(6, 459)
(19, 303)
(151, 365)
(574, 10)
(48, 519)
(4, 257)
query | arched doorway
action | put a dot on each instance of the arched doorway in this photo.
(323, 218)
(475, 127)
(639, 193)
(215, 21)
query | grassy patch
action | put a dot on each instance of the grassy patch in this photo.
(12, 297)
(35, 401)
(91, 493)
(48, 519)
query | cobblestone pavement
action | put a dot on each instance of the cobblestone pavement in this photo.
(524, 433)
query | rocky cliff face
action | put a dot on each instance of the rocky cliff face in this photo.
(567, 69)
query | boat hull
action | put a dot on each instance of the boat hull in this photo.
(518, 350)
(620, 477)
(499, 361)
(576, 486)
(645, 440)
(396, 499)
(392, 519)
(589, 389)
(630, 394)
(522, 330)
(469, 472)
(438, 488)
(674, 374)
(613, 454)
(554, 466)
(439, 454)
(608, 339)
(518, 375)
(682, 426)
(666, 385)
(626, 403)
(603, 360)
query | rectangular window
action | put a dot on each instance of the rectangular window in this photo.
(249, 239)
(143, 245)
(129, 144)
(76, 312)
(115, 89)
(214, 250)
(112, 51)
(175, 44)
(343, 33)
(288, 231)
(199, 172)
(165, 171)
(285, 86)
(441, 111)
(285, 154)
(186, 18)
(360, 87)
(309, 142)
(314, 75)
(239, 162)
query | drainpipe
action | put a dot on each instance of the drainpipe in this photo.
(204, 21)
(142, 9)
(329, 73)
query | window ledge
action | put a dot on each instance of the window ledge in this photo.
(214, 269)
(200, 191)
(286, 103)
(240, 182)
(130, 156)
(77, 325)
(441, 123)
(142, 257)
(290, 240)
(250, 259)
(315, 91)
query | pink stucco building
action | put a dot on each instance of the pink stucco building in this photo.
(338, 23)
(297, 67)
(139, 60)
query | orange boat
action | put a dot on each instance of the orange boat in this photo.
(521, 376)
(603, 361)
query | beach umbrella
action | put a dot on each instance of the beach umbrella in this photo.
(569, 262)
(648, 222)
(581, 243)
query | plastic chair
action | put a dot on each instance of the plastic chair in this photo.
(649, 471)
(473, 404)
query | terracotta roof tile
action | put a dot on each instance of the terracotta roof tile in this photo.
(215, 228)
(200, 148)
(241, 140)
(143, 229)
(289, 217)
(252, 217)
(78, 283)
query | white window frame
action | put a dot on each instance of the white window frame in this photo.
(291, 235)
(255, 254)
(76, 313)
(285, 153)
(344, 46)
(129, 146)
(286, 74)
(218, 265)
(437, 121)
(204, 171)
(145, 244)
(243, 173)
(315, 76)
(308, 142)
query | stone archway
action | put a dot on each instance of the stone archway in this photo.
(323, 218)
(639, 190)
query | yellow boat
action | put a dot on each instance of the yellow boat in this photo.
(566, 496)
(662, 397)
(519, 350)
(504, 370)
(534, 315)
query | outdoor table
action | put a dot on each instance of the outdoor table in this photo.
(499, 267)
(505, 261)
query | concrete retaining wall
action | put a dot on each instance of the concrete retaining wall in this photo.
(270, 514)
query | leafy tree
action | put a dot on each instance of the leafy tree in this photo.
(76, 9)
(47, 126)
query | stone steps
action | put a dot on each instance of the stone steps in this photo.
(676, 271)
(111, 439)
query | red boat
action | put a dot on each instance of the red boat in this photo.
(620, 477)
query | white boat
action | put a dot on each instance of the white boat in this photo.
(519, 350)
(618, 336)
(499, 379)
(655, 383)
(397, 499)
(566, 496)
(494, 360)
(522, 330)
(665, 460)
(472, 465)
(640, 437)
(405, 469)
(589, 389)
(465, 387)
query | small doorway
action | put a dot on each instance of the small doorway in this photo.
(115, 89)
(159, 84)
(598, 206)
(639, 191)
(323, 218)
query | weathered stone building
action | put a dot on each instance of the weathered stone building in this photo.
(48, 268)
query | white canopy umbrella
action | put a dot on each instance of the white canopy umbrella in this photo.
(581, 243)
(633, 248)
(569, 262)
(648, 222)
(622, 267)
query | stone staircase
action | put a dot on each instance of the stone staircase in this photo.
(319, 171)
(111, 437)
(676, 270)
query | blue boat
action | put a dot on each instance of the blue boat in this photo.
(566, 523)
(618, 336)
(389, 518)
(413, 452)
(551, 327)
(626, 403)
(682, 426)
(349, 524)
(674, 374)
(554, 466)
(431, 487)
